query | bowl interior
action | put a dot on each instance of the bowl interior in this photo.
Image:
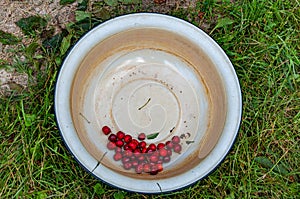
(149, 80)
(148, 73)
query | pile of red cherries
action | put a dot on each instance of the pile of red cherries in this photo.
(137, 154)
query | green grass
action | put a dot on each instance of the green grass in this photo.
(262, 40)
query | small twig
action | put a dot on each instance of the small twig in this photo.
(102, 157)
(159, 187)
(84, 118)
(172, 129)
(189, 142)
(99, 162)
(144, 104)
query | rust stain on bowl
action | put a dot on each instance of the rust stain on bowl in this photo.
(160, 40)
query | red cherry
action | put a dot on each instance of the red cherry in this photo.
(160, 145)
(144, 150)
(146, 168)
(159, 167)
(149, 151)
(119, 143)
(126, 147)
(166, 159)
(120, 135)
(106, 130)
(154, 172)
(132, 145)
(127, 153)
(142, 136)
(156, 153)
(125, 160)
(135, 163)
(127, 138)
(177, 148)
(139, 168)
(132, 157)
(176, 139)
(135, 141)
(112, 137)
(169, 152)
(160, 161)
(137, 153)
(141, 158)
(152, 147)
(127, 165)
(153, 169)
(153, 158)
(118, 156)
(142, 144)
(169, 144)
(118, 150)
(111, 145)
(163, 152)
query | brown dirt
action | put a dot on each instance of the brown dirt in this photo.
(10, 12)
(13, 10)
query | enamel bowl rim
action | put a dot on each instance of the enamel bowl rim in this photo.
(87, 42)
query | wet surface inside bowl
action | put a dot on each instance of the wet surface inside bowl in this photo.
(149, 80)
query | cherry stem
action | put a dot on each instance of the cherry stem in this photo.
(144, 104)
(172, 129)
(84, 118)
(189, 142)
